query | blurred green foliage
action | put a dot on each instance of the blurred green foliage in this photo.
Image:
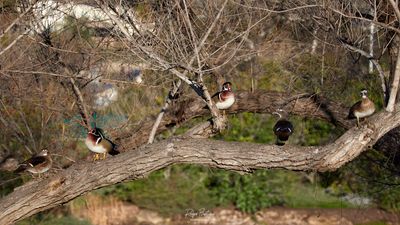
(181, 187)
(78, 27)
(249, 193)
(374, 175)
(168, 191)
(8, 181)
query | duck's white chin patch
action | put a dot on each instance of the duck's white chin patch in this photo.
(225, 104)
(95, 148)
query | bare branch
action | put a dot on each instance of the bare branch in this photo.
(13, 42)
(305, 105)
(168, 100)
(81, 103)
(17, 19)
(395, 8)
(395, 85)
(236, 156)
(376, 64)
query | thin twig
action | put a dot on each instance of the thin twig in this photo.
(76, 77)
(395, 8)
(17, 19)
(80, 102)
(13, 42)
(168, 101)
(376, 64)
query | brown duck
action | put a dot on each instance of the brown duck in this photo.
(362, 109)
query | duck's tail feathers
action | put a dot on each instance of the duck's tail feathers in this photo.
(114, 152)
(21, 168)
(280, 142)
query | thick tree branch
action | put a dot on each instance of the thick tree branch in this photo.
(305, 105)
(82, 177)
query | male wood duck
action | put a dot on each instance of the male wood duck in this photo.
(226, 96)
(37, 164)
(362, 109)
(283, 128)
(99, 144)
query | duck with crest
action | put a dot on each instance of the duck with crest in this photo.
(363, 108)
(99, 144)
(226, 96)
(283, 127)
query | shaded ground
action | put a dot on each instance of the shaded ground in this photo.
(119, 213)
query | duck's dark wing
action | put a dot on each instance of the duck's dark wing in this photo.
(32, 162)
(283, 129)
(114, 149)
(215, 95)
(356, 106)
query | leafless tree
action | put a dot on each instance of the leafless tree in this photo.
(193, 42)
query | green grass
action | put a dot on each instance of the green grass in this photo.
(309, 196)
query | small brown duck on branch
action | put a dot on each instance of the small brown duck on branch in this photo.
(37, 164)
(362, 109)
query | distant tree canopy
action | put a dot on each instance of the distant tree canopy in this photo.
(142, 69)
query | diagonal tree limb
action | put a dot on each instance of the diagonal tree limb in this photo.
(12, 24)
(304, 105)
(378, 67)
(80, 102)
(198, 88)
(395, 85)
(168, 101)
(80, 178)
(396, 10)
(14, 42)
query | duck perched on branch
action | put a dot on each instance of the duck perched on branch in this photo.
(225, 96)
(283, 128)
(363, 108)
(99, 144)
(37, 164)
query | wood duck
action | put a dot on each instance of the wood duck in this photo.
(37, 164)
(226, 96)
(99, 144)
(283, 129)
(362, 109)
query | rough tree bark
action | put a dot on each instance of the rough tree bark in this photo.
(306, 105)
(80, 178)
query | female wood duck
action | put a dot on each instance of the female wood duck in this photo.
(98, 143)
(37, 164)
(282, 129)
(362, 109)
(226, 96)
